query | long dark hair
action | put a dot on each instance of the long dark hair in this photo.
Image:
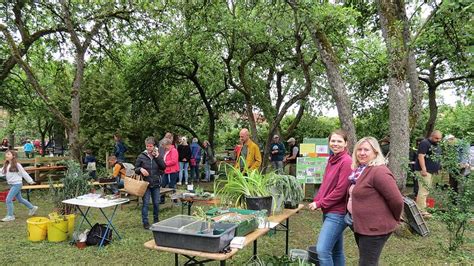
(13, 166)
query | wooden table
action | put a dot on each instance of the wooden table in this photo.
(222, 257)
(29, 188)
(190, 201)
(41, 171)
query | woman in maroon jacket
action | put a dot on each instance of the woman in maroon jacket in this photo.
(375, 203)
(331, 199)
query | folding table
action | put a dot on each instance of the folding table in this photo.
(100, 204)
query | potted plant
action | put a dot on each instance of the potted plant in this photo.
(248, 189)
(75, 184)
(287, 186)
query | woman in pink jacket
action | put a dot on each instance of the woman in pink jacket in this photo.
(375, 203)
(331, 199)
(170, 177)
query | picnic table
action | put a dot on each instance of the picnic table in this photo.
(40, 172)
(189, 201)
(29, 188)
(281, 220)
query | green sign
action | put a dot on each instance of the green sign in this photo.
(310, 170)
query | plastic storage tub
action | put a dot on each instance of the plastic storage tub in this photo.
(187, 232)
(414, 217)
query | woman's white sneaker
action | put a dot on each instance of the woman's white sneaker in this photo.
(8, 219)
(33, 211)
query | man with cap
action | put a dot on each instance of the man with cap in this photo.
(249, 155)
(290, 159)
(277, 151)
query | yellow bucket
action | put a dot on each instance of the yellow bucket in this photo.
(57, 230)
(71, 219)
(37, 228)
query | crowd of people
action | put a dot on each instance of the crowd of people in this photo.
(358, 190)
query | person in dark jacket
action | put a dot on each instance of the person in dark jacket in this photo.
(277, 154)
(119, 148)
(184, 156)
(150, 165)
(375, 204)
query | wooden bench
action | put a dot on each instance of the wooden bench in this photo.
(163, 191)
(50, 161)
(42, 171)
(29, 188)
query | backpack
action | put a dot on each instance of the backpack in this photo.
(129, 169)
(95, 235)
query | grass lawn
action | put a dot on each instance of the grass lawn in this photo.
(16, 249)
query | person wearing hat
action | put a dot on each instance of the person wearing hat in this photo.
(249, 156)
(290, 159)
(277, 151)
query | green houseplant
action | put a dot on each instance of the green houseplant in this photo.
(75, 184)
(287, 187)
(240, 188)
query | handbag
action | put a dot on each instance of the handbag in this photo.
(192, 162)
(135, 185)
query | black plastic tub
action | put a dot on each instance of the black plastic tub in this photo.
(313, 255)
(260, 203)
(181, 232)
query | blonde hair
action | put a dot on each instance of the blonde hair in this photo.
(379, 159)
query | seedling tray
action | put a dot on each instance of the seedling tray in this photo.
(187, 232)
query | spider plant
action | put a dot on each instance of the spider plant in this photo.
(238, 185)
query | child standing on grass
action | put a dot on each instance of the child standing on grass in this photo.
(15, 173)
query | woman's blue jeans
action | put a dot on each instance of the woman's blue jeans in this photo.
(15, 192)
(183, 171)
(155, 199)
(330, 241)
(207, 170)
(195, 172)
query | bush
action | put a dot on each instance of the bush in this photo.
(75, 184)
(455, 206)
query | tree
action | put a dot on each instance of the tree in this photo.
(392, 20)
(443, 49)
(330, 61)
(70, 14)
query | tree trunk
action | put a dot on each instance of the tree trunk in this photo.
(416, 91)
(73, 131)
(251, 117)
(210, 111)
(430, 124)
(338, 89)
(392, 31)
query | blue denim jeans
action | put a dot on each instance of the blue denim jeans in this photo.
(278, 167)
(169, 180)
(195, 172)
(15, 192)
(155, 199)
(330, 246)
(207, 170)
(183, 171)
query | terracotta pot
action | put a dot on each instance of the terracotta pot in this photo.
(81, 245)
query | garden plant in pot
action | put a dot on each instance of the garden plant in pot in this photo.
(287, 187)
(248, 189)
